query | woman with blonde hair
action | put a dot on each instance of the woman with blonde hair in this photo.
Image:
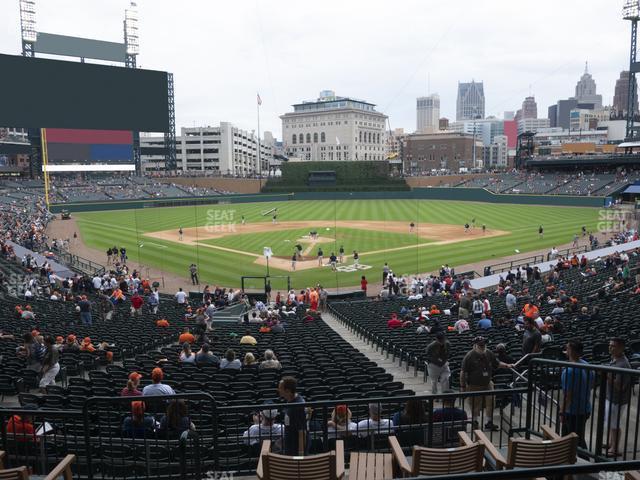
(249, 361)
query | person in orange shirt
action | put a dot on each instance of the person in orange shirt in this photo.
(530, 311)
(313, 299)
(87, 346)
(186, 337)
(21, 428)
(163, 322)
(434, 310)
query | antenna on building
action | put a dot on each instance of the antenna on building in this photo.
(586, 67)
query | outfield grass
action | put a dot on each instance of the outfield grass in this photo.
(102, 230)
(282, 241)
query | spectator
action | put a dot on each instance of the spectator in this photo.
(413, 413)
(265, 428)
(511, 301)
(157, 387)
(206, 357)
(177, 420)
(186, 337)
(475, 375)
(449, 412)
(461, 326)
(437, 357)
(340, 423)
(531, 338)
(181, 297)
(576, 384)
(270, 360)
(295, 421)
(619, 389)
(248, 339)
(138, 425)
(374, 424)
(136, 304)
(20, 427)
(131, 390)
(249, 362)
(50, 365)
(230, 361)
(32, 352)
(502, 355)
(187, 356)
(484, 323)
(71, 345)
(85, 311)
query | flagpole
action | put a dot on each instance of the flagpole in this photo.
(259, 160)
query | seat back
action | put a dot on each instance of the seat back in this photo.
(282, 467)
(536, 453)
(20, 473)
(443, 461)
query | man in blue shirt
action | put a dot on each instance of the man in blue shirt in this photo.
(577, 384)
(484, 323)
(295, 421)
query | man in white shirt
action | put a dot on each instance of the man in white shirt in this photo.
(264, 428)
(157, 387)
(181, 297)
(97, 282)
(374, 424)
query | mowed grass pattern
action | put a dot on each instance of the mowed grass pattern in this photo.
(104, 229)
(283, 241)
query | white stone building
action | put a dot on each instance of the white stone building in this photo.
(335, 129)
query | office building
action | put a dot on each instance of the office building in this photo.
(529, 108)
(621, 96)
(334, 128)
(470, 102)
(424, 153)
(586, 90)
(428, 114)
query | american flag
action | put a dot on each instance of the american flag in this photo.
(259, 99)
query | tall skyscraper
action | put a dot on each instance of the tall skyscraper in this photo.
(470, 103)
(529, 108)
(427, 113)
(586, 89)
(621, 95)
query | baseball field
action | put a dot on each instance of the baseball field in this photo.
(225, 247)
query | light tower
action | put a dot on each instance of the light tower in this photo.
(28, 27)
(131, 39)
(631, 12)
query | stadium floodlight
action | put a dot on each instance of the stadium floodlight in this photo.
(28, 21)
(631, 10)
(131, 29)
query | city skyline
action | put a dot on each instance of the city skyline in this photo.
(222, 55)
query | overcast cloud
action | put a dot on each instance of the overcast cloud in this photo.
(223, 52)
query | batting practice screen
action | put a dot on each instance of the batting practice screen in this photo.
(43, 93)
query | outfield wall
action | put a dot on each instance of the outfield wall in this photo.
(454, 194)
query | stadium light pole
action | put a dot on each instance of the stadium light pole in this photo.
(131, 37)
(631, 12)
(28, 27)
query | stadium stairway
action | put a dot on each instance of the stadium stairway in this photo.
(399, 371)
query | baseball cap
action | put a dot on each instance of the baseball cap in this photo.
(135, 376)
(71, 337)
(87, 340)
(440, 335)
(479, 340)
(269, 413)
(157, 374)
(59, 338)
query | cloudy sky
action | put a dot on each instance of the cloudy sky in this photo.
(222, 53)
